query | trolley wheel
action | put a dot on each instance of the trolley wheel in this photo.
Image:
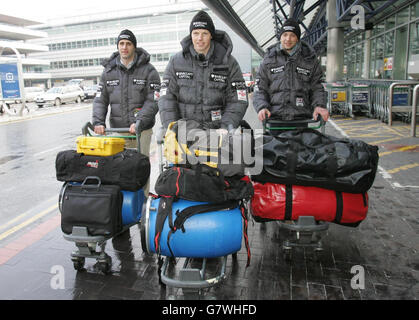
(287, 252)
(78, 263)
(105, 265)
(318, 254)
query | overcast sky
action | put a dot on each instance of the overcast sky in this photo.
(42, 10)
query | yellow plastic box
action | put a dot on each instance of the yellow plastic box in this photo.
(99, 146)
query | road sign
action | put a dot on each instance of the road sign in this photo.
(10, 88)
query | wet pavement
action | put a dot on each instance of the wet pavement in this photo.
(376, 261)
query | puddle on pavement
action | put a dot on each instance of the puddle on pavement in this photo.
(9, 158)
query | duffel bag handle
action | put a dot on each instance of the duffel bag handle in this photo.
(84, 185)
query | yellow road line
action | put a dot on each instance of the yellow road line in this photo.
(13, 221)
(406, 167)
(402, 149)
(27, 222)
(385, 140)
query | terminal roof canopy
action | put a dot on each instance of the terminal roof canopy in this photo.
(257, 22)
(257, 18)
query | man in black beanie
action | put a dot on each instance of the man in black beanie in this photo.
(204, 82)
(130, 84)
(289, 80)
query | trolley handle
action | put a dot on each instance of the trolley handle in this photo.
(88, 129)
(274, 124)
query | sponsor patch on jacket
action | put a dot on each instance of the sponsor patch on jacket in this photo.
(155, 86)
(218, 78)
(184, 75)
(303, 71)
(139, 82)
(279, 69)
(236, 85)
(112, 83)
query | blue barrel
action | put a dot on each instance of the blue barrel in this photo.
(132, 206)
(207, 235)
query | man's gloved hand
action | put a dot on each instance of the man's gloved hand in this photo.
(264, 114)
(321, 111)
(100, 130)
(221, 131)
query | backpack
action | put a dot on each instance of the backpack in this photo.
(205, 184)
(188, 142)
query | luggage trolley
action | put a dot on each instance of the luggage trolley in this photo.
(359, 99)
(306, 231)
(337, 101)
(191, 279)
(87, 244)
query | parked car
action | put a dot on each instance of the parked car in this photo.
(30, 95)
(32, 92)
(250, 83)
(59, 95)
(90, 91)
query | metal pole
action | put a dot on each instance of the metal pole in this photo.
(414, 108)
(390, 103)
(292, 9)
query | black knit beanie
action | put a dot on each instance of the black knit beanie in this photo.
(127, 35)
(202, 21)
(291, 26)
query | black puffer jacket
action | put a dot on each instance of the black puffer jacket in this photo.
(289, 86)
(126, 91)
(212, 91)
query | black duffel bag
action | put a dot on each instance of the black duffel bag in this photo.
(95, 206)
(203, 183)
(128, 169)
(309, 158)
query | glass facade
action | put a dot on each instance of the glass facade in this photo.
(156, 57)
(392, 43)
(150, 31)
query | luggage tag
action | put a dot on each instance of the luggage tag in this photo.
(99, 91)
(163, 87)
(156, 88)
(137, 110)
(215, 115)
(241, 90)
(299, 102)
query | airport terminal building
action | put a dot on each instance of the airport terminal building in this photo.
(77, 45)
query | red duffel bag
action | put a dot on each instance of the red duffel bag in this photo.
(273, 201)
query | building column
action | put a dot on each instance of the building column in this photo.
(335, 41)
(366, 70)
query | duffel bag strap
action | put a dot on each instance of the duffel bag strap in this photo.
(165, 207)
(243, 210)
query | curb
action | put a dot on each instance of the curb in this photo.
(5, 118)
